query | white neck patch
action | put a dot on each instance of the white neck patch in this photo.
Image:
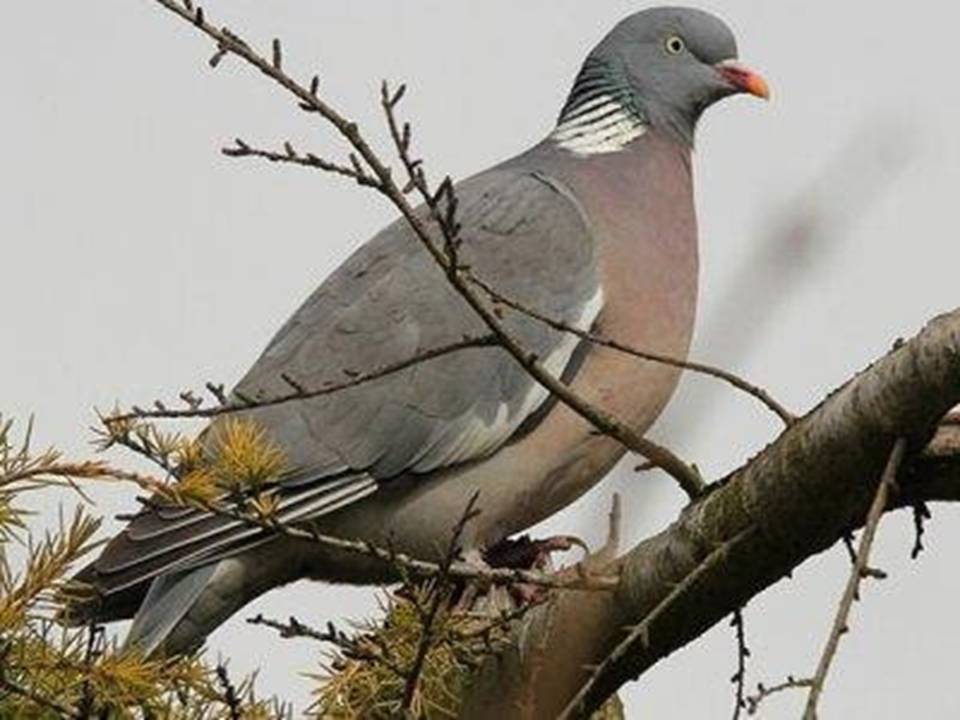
(603, 125)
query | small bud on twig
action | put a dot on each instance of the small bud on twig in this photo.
(277, 54)
(218, 392)
(214, 61)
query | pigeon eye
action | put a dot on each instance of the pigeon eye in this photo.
(675, 45)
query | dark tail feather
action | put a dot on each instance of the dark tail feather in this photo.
(85, 603)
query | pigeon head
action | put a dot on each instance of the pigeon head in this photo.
(661, 68)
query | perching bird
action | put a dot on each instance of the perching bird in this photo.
(594, 226)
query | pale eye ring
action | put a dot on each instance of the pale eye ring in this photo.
(675, 45)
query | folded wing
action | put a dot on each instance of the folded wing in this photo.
(522, 232)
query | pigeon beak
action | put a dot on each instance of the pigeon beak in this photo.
(743, 79)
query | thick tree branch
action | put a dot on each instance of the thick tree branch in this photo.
(792, 501)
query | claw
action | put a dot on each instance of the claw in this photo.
(526, 554)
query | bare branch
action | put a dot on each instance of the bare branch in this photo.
(709, 370)
(764, 692)
(611, 547)
(857, 573)
(299, 392)
(417, 568)
(743, 652)
(241, 149)
(293, 628)
(921, 513)
(800, 495)
(8, 686)
(230, 697)
(439, 596)
(277, 61)
(639, 633)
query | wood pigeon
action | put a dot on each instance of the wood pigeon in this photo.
(593, 226)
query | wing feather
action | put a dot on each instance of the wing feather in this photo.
(522, 232)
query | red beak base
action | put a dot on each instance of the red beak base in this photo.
(744, 79)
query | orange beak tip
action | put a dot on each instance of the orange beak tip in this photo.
(745, 80)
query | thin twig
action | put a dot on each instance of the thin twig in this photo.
(736, 381)
(230, 697)
(921, 513)
(136, 445)
(355, 648)
(299, 392)
(639, 633)
(504, 619)
(611, 546)
(291, 157)
(293, 628)
(10, 687)
(43, 472)
(13, 688)
(848, 542)
(419, 568)
(439, 596)
(764, 692)
(743, 652)
(95, 639)
(858, 572)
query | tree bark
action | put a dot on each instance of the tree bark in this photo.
(790, 502)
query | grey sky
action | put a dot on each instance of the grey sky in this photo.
(136, 261)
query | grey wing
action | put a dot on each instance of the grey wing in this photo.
(522, 232)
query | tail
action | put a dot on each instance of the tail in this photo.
(174, 613)
(180, 571)
(86, 602)
(181, 609)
